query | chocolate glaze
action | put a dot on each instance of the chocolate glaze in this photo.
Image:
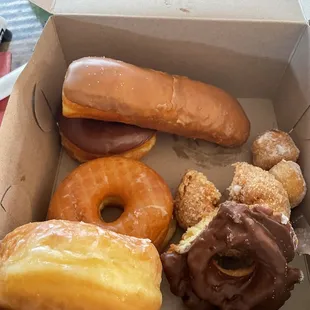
(104, 138)
(259, 232)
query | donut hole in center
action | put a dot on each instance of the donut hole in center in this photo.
(234, 263)
(111, 208)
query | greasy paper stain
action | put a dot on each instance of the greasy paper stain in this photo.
(184, 10)
(303, 236)
(302, 230)
(212, 156)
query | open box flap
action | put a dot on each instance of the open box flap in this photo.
(47, 5)
(20, 186)
(305, 5)
(276, 10)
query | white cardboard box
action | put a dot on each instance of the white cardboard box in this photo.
(258, 52)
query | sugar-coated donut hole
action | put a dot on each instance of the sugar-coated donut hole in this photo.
(111, 208)
(234, 263)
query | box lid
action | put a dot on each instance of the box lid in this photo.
(275, 10)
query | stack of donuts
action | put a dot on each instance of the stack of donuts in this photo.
(233, 254)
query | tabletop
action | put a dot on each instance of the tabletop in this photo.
(26, 22)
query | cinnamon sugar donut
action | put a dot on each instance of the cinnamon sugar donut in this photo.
(196, 196)
(252, 185)
(271, 147)
(100, 183)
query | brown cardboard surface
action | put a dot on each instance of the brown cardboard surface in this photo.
(292, 103)
(293, 95)
(301, 136)
(28, 153)
(276, 10)
(246, 58)
(302, 230)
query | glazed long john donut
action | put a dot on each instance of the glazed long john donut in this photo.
(111, 90)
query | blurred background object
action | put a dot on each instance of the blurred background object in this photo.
(5, 34)
(25, 21)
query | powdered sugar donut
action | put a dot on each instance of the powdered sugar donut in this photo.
(290, 175)
(271, 147)
(252, 185)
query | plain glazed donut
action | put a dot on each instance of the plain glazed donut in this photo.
(139, 190)
(65, 265)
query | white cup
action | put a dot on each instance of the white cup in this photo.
(7, 82)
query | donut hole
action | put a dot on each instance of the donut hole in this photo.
(234, 263)
(111, 208)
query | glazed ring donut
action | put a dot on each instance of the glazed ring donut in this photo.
(144, 196)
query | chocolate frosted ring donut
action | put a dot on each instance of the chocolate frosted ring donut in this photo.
(269, 244)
